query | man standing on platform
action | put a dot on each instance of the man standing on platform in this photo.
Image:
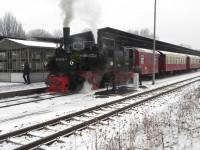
(26, 73)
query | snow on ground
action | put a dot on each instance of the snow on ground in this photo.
(171, 122)
(10, 87)
(17, 117)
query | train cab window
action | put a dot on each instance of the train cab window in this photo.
(142, 59)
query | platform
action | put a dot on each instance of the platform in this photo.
(20, 89)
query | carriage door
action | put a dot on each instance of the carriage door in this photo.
(188, 62)
(131, 59)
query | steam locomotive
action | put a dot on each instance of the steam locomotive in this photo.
(107, 62)
(72, 65)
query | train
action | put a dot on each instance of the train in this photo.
(79, 60)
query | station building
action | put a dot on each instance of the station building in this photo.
(14, 53)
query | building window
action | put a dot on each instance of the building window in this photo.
(16, 65)
(2, 55)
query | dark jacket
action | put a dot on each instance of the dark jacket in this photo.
(26, 68)
(137, 69)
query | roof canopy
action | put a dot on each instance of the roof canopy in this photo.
(127, 39)
(17, 44)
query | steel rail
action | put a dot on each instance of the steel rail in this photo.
(23, 97)
(30, 101)
(53, 137)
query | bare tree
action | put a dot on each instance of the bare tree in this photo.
(143, 32)
(57, 33)
(146, 33)
(38, 33)
(134, 31)
(1, 27)
(185, 45)
(9, 26)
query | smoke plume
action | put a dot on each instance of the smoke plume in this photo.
(67, 10)
(88, 11)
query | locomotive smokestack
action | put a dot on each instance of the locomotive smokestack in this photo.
(66, 38)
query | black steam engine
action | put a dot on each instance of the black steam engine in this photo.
(79, 60)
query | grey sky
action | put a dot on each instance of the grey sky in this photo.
(177, 20)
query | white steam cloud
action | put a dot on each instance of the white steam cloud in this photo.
(88, 11)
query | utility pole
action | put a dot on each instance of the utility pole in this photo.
(154, 46)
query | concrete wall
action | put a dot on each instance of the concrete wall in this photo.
(38, 76)
(5, 77)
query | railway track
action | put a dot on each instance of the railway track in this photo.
(41, 134)
(27, 99)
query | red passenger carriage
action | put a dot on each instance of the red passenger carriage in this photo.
(171, 62)
(143, 59)
(193, 62)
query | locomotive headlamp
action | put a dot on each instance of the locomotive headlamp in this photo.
(45, 63)
(111, 63)
(71, 62)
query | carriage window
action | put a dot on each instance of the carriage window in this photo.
(171, 59)
(142, 59)
(156, 60)
(168, 58)
(175, 59)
